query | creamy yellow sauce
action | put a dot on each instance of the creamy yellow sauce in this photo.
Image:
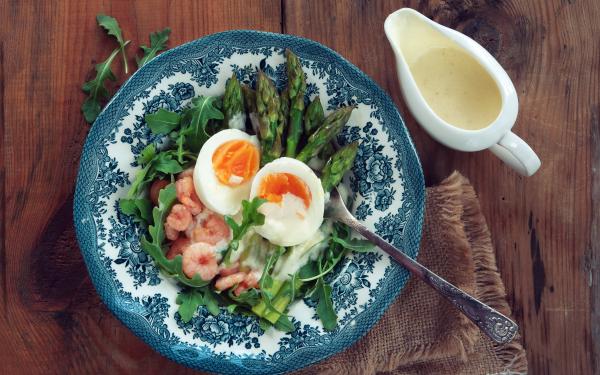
(455, 86)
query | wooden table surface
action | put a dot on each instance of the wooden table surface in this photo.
(546, 228)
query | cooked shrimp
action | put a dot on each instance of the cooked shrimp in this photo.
(200, 258)
(179, 218)
(212, 230)
(229, 270)
(178, 247)
(226, 282)
(155, 189)
(172, 234)
(187, 173)
(251, 281)
(187, 195)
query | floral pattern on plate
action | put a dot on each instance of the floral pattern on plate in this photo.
(387, 193)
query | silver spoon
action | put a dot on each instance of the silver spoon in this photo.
(494, 324)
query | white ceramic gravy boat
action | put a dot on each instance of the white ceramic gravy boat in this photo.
(411, 35)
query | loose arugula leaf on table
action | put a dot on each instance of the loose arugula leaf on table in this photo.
(140, 209)
(153, 243)
(96, 90)
(163, 121)
(111, 25)
(158, 42)
(250, 217)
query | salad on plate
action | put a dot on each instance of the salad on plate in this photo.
(233, 197)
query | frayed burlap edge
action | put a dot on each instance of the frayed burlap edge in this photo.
(449, 195)
(489, 285)
(473, 247)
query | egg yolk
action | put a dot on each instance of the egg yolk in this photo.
(275, 185)
(235, 162)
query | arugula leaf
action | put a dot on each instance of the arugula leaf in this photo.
(284, 324)
(163, 121)
(140, 209)
(180, 151)
(155, 165)
(210, 301)
(158, 42)
(342, 235)
(166, 162)
(111, 25)
(202, 109)
(250, 217)
(266, 280)
(96, 90)
(354, 244)
(153, 245)
(308, 271)
(324, 264)
(264, 324)
(250, 297)
(188, 300)
(147, 154)
(325, 309)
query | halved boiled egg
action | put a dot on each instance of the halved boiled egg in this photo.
(226, 165)
(295, 201)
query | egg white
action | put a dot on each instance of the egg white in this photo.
(220, 198)
(289, 222)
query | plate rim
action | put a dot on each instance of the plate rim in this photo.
(303, 357)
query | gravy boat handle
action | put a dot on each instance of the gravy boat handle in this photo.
(512, 150)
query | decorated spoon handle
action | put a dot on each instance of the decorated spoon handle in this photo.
(494, 324)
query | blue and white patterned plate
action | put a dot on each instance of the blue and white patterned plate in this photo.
(387, 188)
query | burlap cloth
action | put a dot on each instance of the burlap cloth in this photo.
(422, 333)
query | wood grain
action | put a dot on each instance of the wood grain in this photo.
(540, 225)
(545, 228)
(52, 319)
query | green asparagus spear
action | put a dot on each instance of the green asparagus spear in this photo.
(282, 300)
(261, 307)
(330, 127)
(297, 88)
(233, 104)
(249, 99)
(338, 165)
(313, 117)
(284, 112)
(268, 105)
(326, 152)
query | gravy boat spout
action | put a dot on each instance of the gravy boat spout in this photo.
(456, 89)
